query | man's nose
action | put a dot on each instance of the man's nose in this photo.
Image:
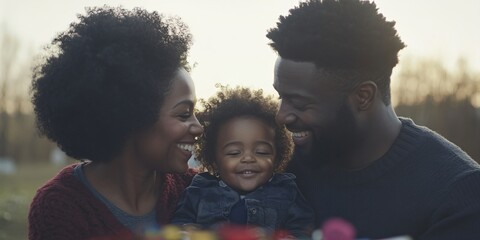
(284, 114)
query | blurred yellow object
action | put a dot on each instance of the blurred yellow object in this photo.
(202, 235)
(171, 232)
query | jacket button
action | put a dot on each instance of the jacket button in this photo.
(225, 212)
(253, 211)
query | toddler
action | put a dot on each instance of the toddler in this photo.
(244, 151)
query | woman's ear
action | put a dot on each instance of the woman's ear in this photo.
(364, 95)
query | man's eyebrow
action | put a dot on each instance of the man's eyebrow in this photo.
(294, 95)
(289, 95)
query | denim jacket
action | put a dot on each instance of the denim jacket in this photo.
(276, 205)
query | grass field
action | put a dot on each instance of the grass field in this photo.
(16, 193)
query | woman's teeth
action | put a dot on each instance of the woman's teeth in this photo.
(300, 134)
(186, 147)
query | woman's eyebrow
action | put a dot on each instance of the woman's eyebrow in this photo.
(184, 102)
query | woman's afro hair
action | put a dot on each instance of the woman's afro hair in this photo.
(337, 34)
(230, 103)
(105, 78)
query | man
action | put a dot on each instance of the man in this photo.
(354, 158)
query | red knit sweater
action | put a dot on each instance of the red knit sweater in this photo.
(65, 209)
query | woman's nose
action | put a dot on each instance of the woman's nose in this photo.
(196, 128)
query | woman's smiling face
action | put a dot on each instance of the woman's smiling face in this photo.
(168, 145)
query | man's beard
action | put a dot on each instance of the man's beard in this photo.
(333, 142)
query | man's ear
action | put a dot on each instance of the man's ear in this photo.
(364, 95)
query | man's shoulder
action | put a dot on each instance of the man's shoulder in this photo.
(438, 149)
(441, 160)
(464, 189)
(441, 149)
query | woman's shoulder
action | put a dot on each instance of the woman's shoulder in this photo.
(65, 192)
(54, 204)
(171, 189)
(63, 182)
(181, 180)
(65, 207)
(173, 184)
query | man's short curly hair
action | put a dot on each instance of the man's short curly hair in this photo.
(348, 37)
(105, 78)
(230, 103)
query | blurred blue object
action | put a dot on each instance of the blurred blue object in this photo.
(7, 166)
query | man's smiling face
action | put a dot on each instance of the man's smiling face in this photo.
(314, 109)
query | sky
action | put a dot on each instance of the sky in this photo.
(230, 46)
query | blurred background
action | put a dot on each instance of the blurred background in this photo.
(437, 82)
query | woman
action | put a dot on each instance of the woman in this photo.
(113, 92)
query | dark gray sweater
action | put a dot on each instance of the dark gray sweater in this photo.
(424, 187)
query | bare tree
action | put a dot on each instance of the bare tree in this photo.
(442, 99)
(9, 47)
